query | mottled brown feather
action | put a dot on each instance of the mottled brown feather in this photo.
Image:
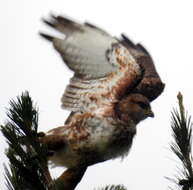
(151, 85)
(110, 93)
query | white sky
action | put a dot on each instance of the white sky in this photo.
(165, 27)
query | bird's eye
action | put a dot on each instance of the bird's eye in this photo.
(143, 105)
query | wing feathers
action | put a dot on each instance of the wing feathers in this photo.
(151, 85)
(88, 95)
(49, 23)
(46, 36)
(68, 23)
(128, 41)
(63, 24)
(83, 49)
(103, 32)
(142, 48)
(103, 67)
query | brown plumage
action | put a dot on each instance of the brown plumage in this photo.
(89, 138)
(110, 93)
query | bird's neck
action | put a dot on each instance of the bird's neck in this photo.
(120, 114)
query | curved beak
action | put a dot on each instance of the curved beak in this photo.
(150, 113)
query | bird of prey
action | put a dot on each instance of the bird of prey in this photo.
(110, 93)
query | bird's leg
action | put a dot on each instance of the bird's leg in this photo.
(70, 178)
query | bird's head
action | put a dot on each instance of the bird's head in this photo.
(135, 107)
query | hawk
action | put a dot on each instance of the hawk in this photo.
(110, 93)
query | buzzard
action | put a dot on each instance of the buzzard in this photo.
(110, 93)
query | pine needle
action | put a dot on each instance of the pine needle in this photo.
(28, 161)
(182, 145)
(113, 187)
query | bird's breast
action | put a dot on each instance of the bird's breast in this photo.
(93, 139)
(106, 139)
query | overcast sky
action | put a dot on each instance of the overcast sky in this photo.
(164, 27)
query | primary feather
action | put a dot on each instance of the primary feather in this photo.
(103, 67)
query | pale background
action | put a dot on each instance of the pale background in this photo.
(165, 27)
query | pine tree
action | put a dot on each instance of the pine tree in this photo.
(28, 164)
(27, 157)
(182, 146)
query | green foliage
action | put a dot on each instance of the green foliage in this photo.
(28, 167)
(27, 157)
(182, 146)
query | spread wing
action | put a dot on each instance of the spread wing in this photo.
(104, 69)
(151, 85)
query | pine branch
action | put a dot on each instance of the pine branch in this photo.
(182, 145)
(28, 164)
(114, 187)
(27, 157)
